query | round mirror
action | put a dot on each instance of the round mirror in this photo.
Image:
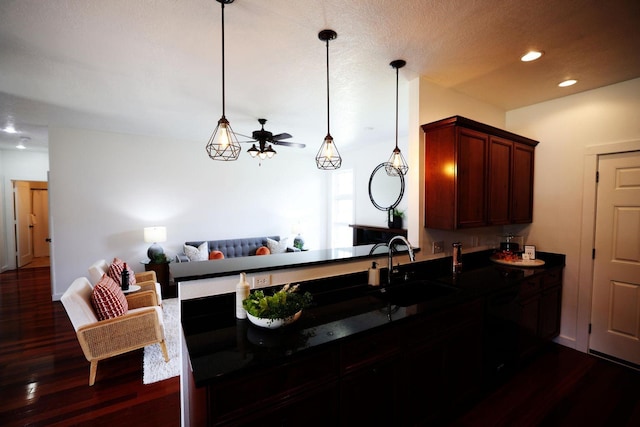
(385, 191)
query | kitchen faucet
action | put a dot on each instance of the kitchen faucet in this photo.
(412, 257)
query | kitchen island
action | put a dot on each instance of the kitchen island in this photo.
(360, 353)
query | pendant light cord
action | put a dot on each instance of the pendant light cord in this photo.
(223, 94)
(397, 107)
(328, 128)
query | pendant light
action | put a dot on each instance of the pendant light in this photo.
(223, 144)
(397, 164)
(328, 157)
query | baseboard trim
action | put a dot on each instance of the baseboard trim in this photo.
(614, 359)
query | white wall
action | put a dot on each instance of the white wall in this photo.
(363, 161)
(430, 102)
(16, 166)
(106, 187)
(565, 128)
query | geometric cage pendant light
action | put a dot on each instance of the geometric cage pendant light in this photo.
(223, 143)
(328, 157)
(397, 164)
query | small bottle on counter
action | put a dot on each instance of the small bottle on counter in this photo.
(242, 292)
(457, 257)
(374, 275)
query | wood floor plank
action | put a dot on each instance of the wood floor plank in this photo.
(44, 376)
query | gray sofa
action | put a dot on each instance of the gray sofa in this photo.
(232, 248)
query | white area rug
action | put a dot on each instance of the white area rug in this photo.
(154, 366)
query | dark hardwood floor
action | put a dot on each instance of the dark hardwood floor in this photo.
(44, 378)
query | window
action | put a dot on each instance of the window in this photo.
(341, 208)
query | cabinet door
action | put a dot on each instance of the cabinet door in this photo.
(522, 188)
(316, 408)
(369, 396)
(499, 181)
(528, 340)
(471, 178)
(549, 325)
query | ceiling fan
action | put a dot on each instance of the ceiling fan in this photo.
(265, 139)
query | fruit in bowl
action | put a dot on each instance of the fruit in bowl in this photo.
(280, 309)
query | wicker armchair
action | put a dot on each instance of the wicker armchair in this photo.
(142, 325)
(146, 280)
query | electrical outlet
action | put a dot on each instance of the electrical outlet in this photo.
(438, 247)
(262, 280)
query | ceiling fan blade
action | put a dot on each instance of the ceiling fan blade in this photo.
(244, 136)
(289, 144)
(281, 136)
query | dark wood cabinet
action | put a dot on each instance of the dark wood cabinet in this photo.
(540, 303)
(443, 367)
(412, 370)
(163, 274)
(403, 373)
(522, 184)
(499, 181)
(476, 175)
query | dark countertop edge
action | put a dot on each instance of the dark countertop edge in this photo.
(188, 271)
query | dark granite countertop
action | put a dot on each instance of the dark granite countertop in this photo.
(220, 346)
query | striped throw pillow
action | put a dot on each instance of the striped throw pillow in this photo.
(108, 300)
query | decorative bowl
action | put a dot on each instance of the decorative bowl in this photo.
(273, 323)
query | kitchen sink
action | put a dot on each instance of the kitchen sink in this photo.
(414, 292)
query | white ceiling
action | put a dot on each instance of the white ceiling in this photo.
(153, 67)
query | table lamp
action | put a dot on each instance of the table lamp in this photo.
(154, 235)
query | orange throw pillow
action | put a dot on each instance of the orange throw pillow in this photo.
(263, 250)
(216, 255)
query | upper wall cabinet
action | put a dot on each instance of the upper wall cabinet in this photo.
(476, 175)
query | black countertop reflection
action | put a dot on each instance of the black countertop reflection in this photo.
(220, 346)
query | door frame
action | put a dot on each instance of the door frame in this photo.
(587, 235)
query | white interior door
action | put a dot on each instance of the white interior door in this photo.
(615, 317)
(22, 206)
(40, 222)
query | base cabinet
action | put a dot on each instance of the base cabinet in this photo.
(417, 371)
(540, 304)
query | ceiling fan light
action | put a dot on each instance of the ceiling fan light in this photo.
(223, 144)
(270, 151)
(253, 151)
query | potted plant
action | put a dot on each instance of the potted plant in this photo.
(395, 218)
(160, 258)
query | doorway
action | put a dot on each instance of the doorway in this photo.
(31, 214)
(615, 315)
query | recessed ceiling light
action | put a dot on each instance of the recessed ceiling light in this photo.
(532, 55)
(10, 129)
(566, 83)
(21, 145)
